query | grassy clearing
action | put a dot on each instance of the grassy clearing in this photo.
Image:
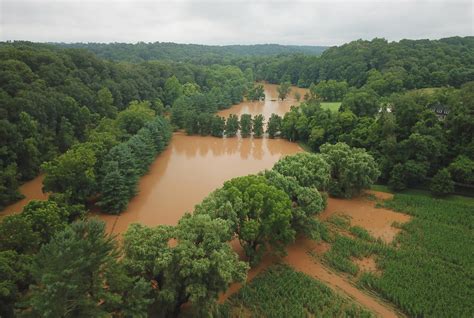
(282, 292)
(425, 193)
(429, 268)
(332, 106)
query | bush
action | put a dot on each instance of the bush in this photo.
(442, 184)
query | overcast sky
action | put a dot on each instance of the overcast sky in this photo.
(233, 22)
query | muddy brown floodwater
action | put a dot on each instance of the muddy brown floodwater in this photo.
(189, 169)
(270, 105)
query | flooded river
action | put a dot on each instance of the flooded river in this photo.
(191, 167)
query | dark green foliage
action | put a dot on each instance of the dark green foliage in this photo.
(232, 125)
(282, 292)
(246, 125)
(127, 161)
(330, 90)
(78, 274)
(14, 277)
(195, 53)
(442, 184)
(361, 102)
(258, 125)
(273, 125)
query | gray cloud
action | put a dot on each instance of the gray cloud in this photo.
(229, 22)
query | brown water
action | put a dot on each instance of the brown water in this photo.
(270, 105)
(32, 190)
(189, 169)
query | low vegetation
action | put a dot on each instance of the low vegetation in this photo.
(282, 292)
(425, 271)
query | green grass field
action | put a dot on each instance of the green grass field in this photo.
(282, 292)
(332, 106)
(428, 271)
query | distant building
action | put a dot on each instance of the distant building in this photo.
(440, 110)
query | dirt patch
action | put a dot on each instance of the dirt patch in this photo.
(367, 264)
(362, 212)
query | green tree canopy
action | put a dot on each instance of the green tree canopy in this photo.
(352, 169)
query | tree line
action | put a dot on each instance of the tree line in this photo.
(56, 263)
(414, 136)
(51, 98)
(409, 63)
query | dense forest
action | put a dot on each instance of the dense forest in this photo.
(203, 54)
(52, 99)
(93, 124)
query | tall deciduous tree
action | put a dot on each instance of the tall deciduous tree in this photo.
(352, 169)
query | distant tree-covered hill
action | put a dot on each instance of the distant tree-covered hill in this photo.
(205, 54)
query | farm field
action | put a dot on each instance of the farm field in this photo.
(425, 271)
(283, 292)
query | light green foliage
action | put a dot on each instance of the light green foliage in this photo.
(46, 217)
(259, 214)
(273, 125)
(332, 106)
(258, 125)
(352, 169)
(282, 292)
(310, 170)
(442, 184)
(232, 125)
(283, 90)
(132, 119)
(73, 173)
(105, 103)
(246, 125)
(196, 269)
(297, 96)
(172, 90)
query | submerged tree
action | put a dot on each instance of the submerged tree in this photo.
(258, 125)
(245, 125)
(283, 90)
(217, 126)
(232, 125)
(273, 125)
